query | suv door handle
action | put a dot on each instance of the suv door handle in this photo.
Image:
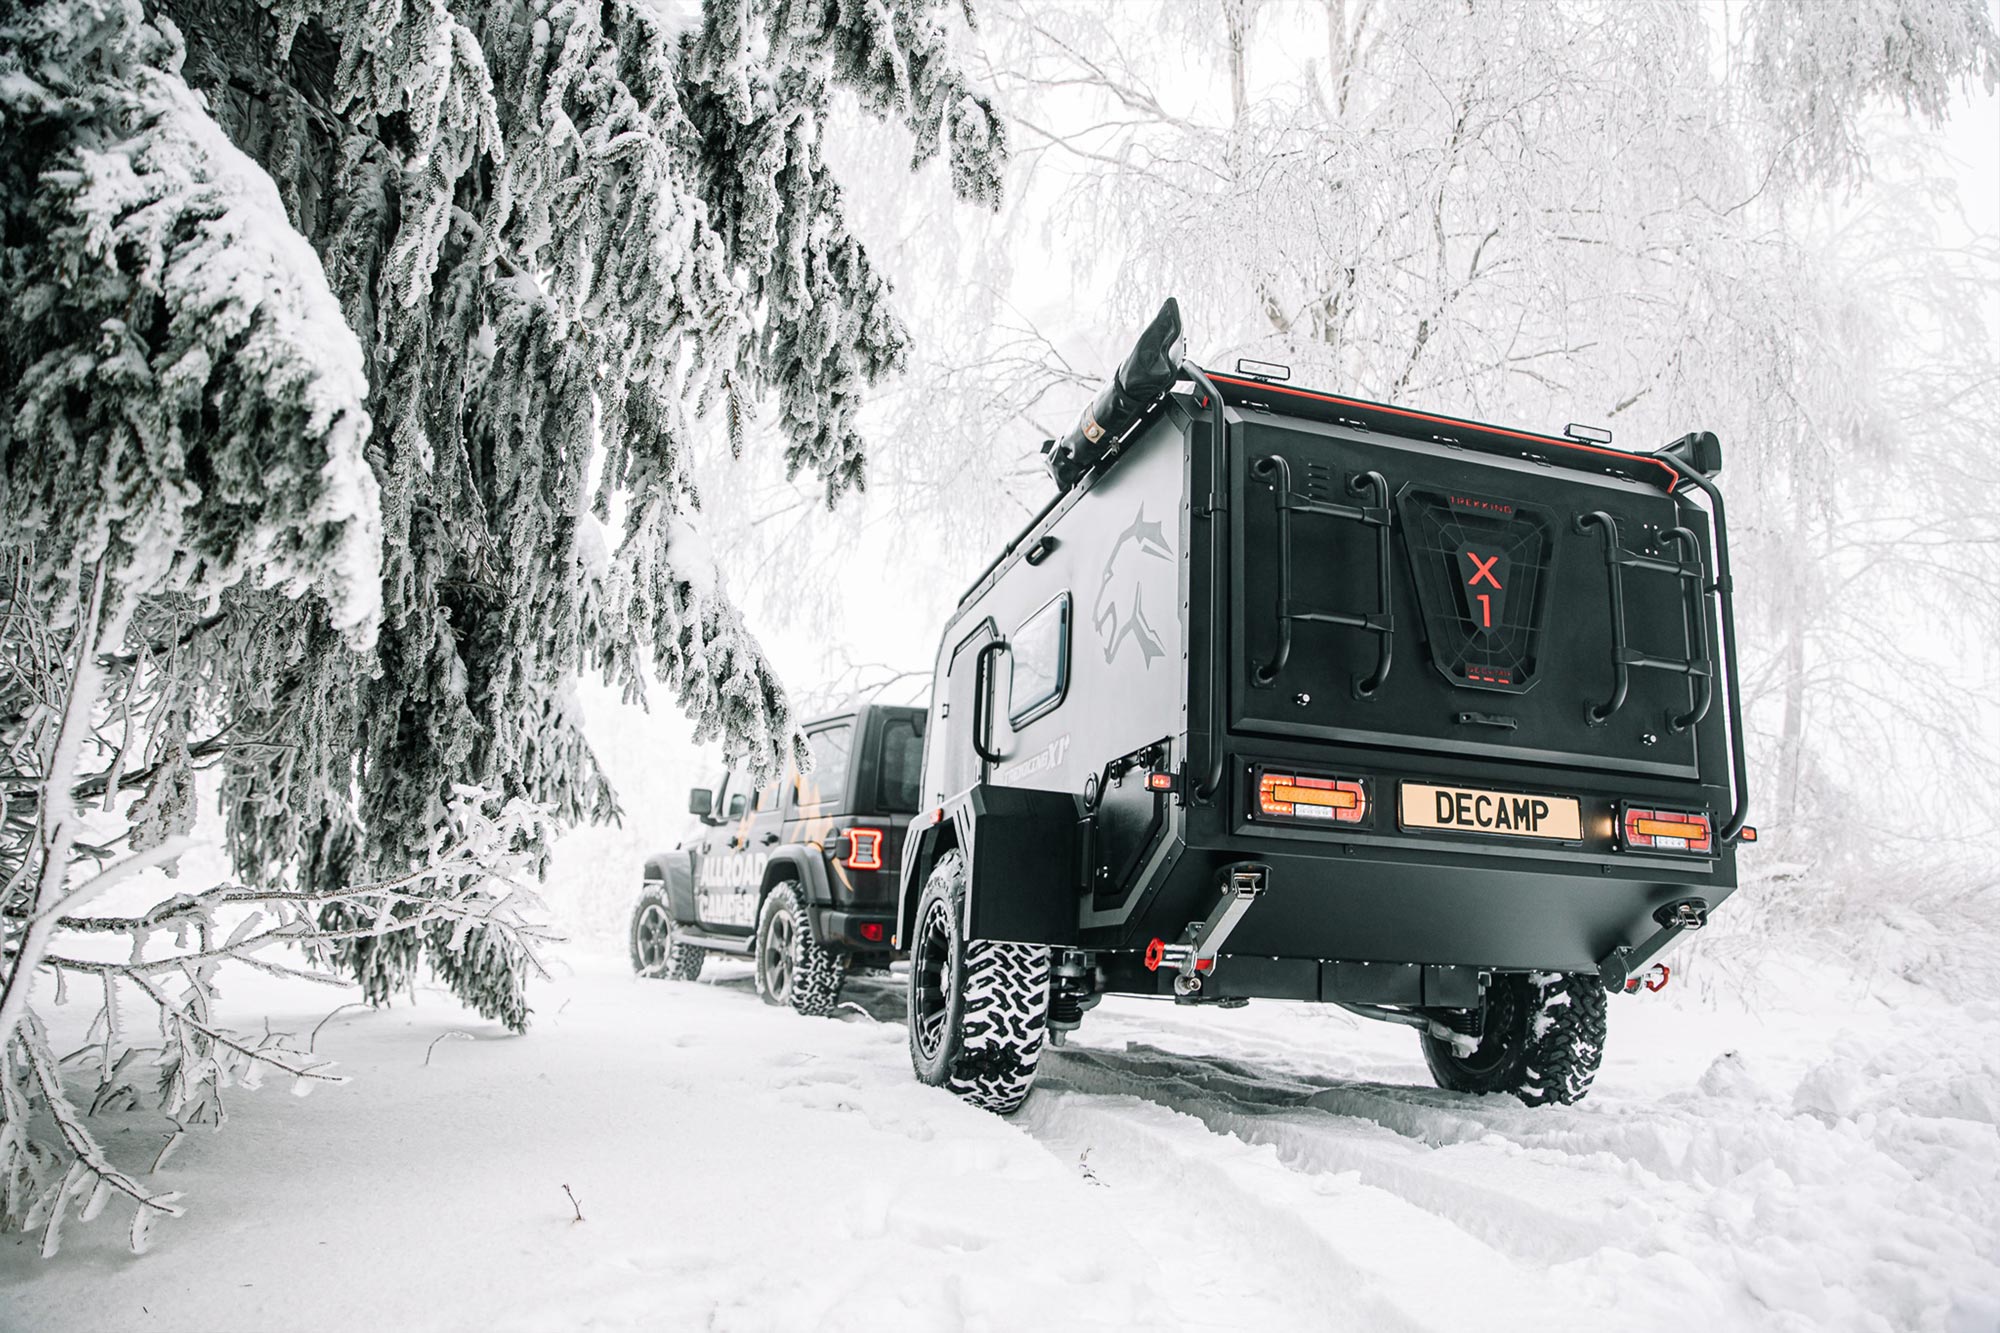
(770, 838)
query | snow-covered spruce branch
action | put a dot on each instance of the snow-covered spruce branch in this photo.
(474, 879)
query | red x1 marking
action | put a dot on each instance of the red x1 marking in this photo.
(1484, 569)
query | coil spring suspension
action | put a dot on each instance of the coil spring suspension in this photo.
(1465, 1022)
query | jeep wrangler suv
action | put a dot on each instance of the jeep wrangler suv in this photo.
(798, 874)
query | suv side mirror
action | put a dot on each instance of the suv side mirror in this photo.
(701, 801)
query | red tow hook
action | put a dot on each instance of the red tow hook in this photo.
(1654, 978)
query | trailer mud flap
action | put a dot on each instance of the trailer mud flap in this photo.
(1022, 867)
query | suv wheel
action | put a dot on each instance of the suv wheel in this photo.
(656, 949)
(792, 967)
(978, 1009)
(1543, 1039)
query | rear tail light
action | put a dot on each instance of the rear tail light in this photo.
(871, 931)
(1302, 796)
(1667, 831)
(864, 849)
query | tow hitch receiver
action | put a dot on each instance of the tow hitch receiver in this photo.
(1619, 967)
(1242, 884)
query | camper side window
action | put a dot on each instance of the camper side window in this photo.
(1038, 654)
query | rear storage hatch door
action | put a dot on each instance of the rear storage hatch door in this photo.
(1415, 594)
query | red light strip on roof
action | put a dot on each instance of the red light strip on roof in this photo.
(1673, 477)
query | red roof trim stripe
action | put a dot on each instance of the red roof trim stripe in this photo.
(1673, 477)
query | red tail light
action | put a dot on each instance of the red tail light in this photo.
(1667, 831)
(871, 931)
(864, 849)
(1298, 796)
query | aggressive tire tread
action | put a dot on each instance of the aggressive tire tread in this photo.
(1544, 1040)
(678, 962)
(812, 985)
(996, 1007)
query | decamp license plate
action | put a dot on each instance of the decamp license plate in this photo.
(1475, 810)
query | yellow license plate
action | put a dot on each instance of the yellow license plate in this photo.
(1506, 813)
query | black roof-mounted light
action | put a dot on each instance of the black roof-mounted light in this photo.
(1144, 377)
(1262, 370)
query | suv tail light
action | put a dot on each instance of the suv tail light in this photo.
(1303, 797)
(1667, 831)
(864, 848)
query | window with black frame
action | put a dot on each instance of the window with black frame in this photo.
(1038, 658)
(902, 766)
(832, 749)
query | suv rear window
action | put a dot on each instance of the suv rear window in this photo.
(832, 751)
(902, 771)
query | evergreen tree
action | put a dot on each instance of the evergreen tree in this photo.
(548, 243)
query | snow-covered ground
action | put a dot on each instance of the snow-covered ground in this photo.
(1832, 1165)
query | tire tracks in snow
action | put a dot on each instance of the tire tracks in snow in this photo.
(1683, 1209)
(1363, 1256)
(1536, 1213)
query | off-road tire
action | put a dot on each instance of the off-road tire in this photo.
(655, 950)
(792, 967)
(978, 1009)
(1543, 1039)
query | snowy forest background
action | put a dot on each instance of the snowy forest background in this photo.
(398, 393)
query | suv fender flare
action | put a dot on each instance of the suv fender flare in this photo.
(1023, 870)
(803, 864)
(674, 873)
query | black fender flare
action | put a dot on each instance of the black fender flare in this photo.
(923, 844)
(1023, 869)
(674, 873)
(806, 865)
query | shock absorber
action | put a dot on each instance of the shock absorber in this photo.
(1074, 991)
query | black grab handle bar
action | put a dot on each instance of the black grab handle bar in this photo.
(1623, 659)
(1276, 469)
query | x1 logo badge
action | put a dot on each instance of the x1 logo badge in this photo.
(1484, 575)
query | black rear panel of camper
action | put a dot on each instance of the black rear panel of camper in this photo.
(1409, 593)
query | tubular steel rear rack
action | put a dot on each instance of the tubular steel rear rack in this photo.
(1724, 591)
(1382, 624)
(1215, 508)
(1623, 658)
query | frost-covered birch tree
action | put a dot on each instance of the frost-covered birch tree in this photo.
(353, 358)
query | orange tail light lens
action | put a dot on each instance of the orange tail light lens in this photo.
(1302, 796)
(1667, 831)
